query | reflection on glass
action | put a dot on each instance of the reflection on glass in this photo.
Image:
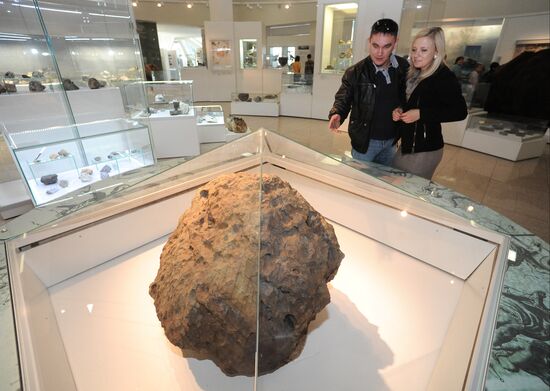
(338, 35)
(249, 53)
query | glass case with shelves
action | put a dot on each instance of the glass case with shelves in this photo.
(56, 161)
(338, 35)
(164, 98)
(296, 84)
(248, 53)
(254, 97)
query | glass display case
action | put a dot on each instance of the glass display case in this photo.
(451, 267)
(210, 124)
(248, 53)
(164, 98)
(512, 138)
(338, 35)
(296, 84)
(221, 58)
(254, 97)
(56, 161)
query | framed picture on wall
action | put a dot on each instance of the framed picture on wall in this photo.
(221, 56)
(531, 45)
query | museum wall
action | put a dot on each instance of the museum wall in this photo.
(177, 14)
(521, 28)
(490, 8)
(273, 14)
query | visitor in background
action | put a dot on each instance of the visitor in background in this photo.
(433, 96)
(473, 77)
(457, 67)
(377, 81)
(296, 68)
(489, 76)
(308, 69)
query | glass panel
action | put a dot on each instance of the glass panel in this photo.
(338, 34)
(249, 53)
(163, 98)
(297, 84)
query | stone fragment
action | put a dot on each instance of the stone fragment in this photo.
(52, 190)
(176, 110)
(206, 289)
(68, 85)
(94, 84)
(53, 156)
(97, 158)
(243, 96)
(36, 86)
(237, 125)
(49, 179)
(10, 87)
(85, 177)
(63, 152)
(87, 171)
(37, 74)
(9, 75)
(258, 99)
(2, 88)
(64, 183)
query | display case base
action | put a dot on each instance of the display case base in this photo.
(267, 109)
(506, 147)
(296, 105)
(211, 133)
(174, 136)
(14, 200)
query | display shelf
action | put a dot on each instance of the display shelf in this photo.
(338, 36)
(244, 103)
(506, 137)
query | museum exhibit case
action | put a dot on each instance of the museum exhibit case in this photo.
(296, 94)
(248, 53)
(66, 62)
(210, 124)
(339, 21)
(417, 290)
(508, 137)
(255, 103)
(58, 160)
(170, 112)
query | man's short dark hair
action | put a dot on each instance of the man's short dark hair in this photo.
(459, 58)
(384, 26)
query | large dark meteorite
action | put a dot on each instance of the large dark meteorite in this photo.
(206, 289)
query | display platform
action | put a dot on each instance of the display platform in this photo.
(174, 135)
(266, 105)
(14, 200)
(210, 124)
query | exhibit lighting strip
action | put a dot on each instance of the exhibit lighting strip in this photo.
(111, 16)
(47, 9)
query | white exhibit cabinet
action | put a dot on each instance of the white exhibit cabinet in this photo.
(506, 137)
(413, 305)
(174, 135)
(255, 104)
(210, 124)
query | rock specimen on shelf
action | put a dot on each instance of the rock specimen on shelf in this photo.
(184, 107)
(95, 84)
(2, 88)
(63, 183)
(87, 171)
(227, 246)
(243, 97)
(36, 86)
(10, 87)
(54, 156)
(270, 96)
(176, 111)
(97, 158)
(159, 98)
(104, 172)
(258, 99)
(68, 85)
(237, 125)
(37, 74)
(84, 177)
(52, 190)
(63, 152)
(49, 179)
(9, 75)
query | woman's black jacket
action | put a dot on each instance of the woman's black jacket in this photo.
(357, 93)
(439, 98)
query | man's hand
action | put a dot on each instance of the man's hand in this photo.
(396, 114)
(410, 116)
(334, 123)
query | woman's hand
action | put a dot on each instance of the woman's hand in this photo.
(396, 114)
(410, 116)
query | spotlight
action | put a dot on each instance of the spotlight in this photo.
(189, 5)
(419, 6)
(159, 4)
(287, 6)
(134, 3)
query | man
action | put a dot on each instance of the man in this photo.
(372, 89)
(308, 70)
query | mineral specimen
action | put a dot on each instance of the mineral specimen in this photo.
(257, 99)
(54, 156)
(68, 85)
(36, 86)
(237, 125)
(104, 172)
(94, 84)
(63, 152)
(243, 96)
(37, 74)
(87, 171)
(84, 177)
(10, 87)
(52, 190)
(9, 75)
(176, 110)
(49, 179)
(63, 183)
(230, 243)
(2, 88)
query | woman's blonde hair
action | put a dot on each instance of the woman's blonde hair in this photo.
(437, 35)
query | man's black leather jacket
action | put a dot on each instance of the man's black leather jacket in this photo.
(357, 93)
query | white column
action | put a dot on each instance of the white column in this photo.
(221, 10)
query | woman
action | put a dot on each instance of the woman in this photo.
(433, 96)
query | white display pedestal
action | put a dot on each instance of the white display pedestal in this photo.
(230, 136)
(508, 147)
(174, 135)
(14, 200)
(211, 133)
(265, 108)
(453, 132)
(296, 105)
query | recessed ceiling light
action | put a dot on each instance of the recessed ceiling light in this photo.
(159, 5)
(287, 6)
(189, 5)
(419, 6)
(134, 3)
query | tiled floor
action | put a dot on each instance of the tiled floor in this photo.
(517, 190)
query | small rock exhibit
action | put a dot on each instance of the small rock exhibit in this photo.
(243, 233)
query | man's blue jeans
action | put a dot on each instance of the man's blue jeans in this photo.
(380, 151)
